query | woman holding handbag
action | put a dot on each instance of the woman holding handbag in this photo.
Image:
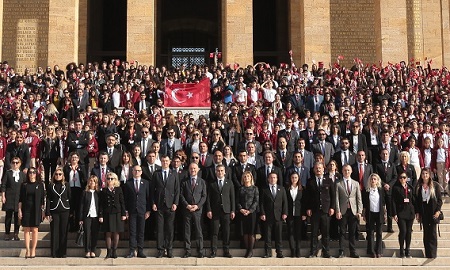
(89, 210)
(428, 210)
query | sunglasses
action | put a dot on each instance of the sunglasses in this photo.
(32, 172)
(196, 134)
(248, 133)
(195, 157)
(58, 174)
(170, 132)
(15, 162)
(144, 132)
(403, 177)
(110, 178)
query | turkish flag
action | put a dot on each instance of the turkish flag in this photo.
(188, 94)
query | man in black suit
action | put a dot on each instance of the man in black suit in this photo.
(209, 173)
(137, 204)
(289, 134)
(18, 149)
(240, 167)
(358, 140)
(392, 149)
(309, 134)
(263, 172)
(170, 145)
(345, 156)
(114, 154)
(299, 168)
(165, 189)
(388, 174)
(145, 142)
(283, 157)
(102, 169)
(220, 209)
(249, 137)
(298, 99)
(320, 205)
(176, 167)
(322, 146)
(142, 104)
(206, 159)
(308, 156)
(78, 141)
(345, 125)
(274, 210)
(361, 170)
(252, 157)
(150, 166)
(193, 197)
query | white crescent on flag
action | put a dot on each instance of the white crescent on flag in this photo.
(174, 96)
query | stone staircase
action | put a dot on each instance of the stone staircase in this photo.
(12, 254)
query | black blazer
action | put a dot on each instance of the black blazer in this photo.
(298, 203)
(137, 203)
(338, 159)
(400, 208)
(97, 172)
(304, 175)
(85, 205)
(292, 136)
(39, 201)
(111, 202)
(193, 196)
(410, 173)
(393, 153)
(388, 175)
(81, 174)
(58, 201)
(81, 146)
(273, 208)
(21, 151)
(362, 143)
(50, 151)
(114, 161)
(261, 176)
(321, 198)
(167, 193)
(237, 172)
(12, 189)
(146, 174)
(287, 160)
(436, 203)
(220, 201)
(248, 198)
(366, 205)
(209, 173)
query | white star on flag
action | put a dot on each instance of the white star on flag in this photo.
(189, 95)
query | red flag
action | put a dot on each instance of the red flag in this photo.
(188, 94)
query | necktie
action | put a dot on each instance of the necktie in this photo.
(349, 189)
(144, 147)
(283, 156)
(220, 184)
(243, 168)
(142, 105)
(136, 185)
(165, 176)
(151, 168)
(345, 158)
(268, 171)
(385, 167)
(274, 192)
(319, 182)
(193, 184)
(322, 144)
(103, 178)
(203, 159)
(361, 174)
(110, 153)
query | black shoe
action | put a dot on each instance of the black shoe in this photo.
(227, 254)
(169, 253)
(186, 255)
(297, 252)
(390, 230)
(408, 255)
(16, 237)
(108, 253)
(280, 255)
(341, 254)
(131, 255)
(292, 253)
(141, 255)
(200, 255)
(354, 255)
(266, 255)
(160, 254)
(249, 254)
(7, 238)
(213, 254)
(312, 256)
(114, 253)
(326, 255)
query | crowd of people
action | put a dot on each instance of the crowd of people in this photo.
(93, 145)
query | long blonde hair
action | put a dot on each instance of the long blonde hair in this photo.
(430, 184)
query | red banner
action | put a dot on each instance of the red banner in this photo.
(188, 94)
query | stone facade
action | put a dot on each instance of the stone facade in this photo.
(47, 32)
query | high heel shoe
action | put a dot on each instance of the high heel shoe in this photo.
(27, 254)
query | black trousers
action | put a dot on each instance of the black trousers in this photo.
(430, 241)
(193, 219)
(91, 227)
(277, 226)
(165, 219)
(374, 225)
(49, 167)
(294, 226)
(58, 229)
(404, 234)
(221, 221)
(8, 221)
(75, 202)
(348, 223)
(320, 221)
(136, 229)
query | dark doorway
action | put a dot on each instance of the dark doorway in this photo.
(107, 30)
(270, 31)
(188, 30)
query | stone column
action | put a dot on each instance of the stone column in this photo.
(415, 35)
(82, 30)
(62, 32)
(1, 28)
(445, 13)
(432, 32)
(391, 31)
(141, 34)
(296, 31)
(237, 32)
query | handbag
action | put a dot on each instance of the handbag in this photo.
(438, 221)
(80, 236)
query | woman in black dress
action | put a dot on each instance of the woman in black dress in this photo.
(296, 214)
(428, 209)
(112, 213)
(50, 152)
(89, 210)
(403, 212)
(11, 182)
(247, 205)
(31, 210)
(57, 212)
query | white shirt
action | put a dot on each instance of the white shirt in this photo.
(425, 194)
(414, 157)
(124, 173)
(374, 199)
(269, 94)
(116, 99)
(427, 158)
(441, 155)
(294, 192)
(74, 179)
(92, 210)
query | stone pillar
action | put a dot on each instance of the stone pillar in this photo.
(445, 13)
(82, 30)
(296, 31)
(62, 32)
(415, 35)
(141, 36)
(432, 32)
(1, 28)
(315, 33)
(237, 32)
(391, 31)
